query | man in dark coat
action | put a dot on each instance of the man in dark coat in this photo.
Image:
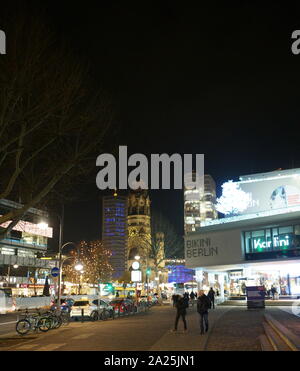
(203, 304)
(211, 297)
(181, 312)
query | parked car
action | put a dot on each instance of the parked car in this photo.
(152, 300)
(93, 309)
(84, 308)
(123, 306)
(104, 305)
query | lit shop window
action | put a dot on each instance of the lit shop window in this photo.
(34, 239)
(7, 251)
(26, 253)
(272, 239)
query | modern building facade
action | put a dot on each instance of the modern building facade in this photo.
(178, 272)
(258, 241)
(24, 246)
(199, 205)
(115, 232)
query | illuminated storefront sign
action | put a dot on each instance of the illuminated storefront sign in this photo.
(260, 244)
(31, 228)
(272, 243)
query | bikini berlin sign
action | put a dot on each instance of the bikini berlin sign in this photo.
(200, 247)
(213, 248)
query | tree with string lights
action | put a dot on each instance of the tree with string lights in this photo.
(95, 260)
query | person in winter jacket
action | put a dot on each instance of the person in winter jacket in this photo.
(211, 297)
(203, 304)
(181, 312)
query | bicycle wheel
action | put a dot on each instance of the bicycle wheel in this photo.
(52, 321)
(112, 314)
(65, 318)
(57, 321)
(94, 316)
(44, 324)
(23, 327)
(104, 315)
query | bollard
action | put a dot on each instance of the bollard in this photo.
(82, 314)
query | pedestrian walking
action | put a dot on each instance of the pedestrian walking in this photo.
(181, 312)
(203, 305)
(211, 297)
(273, 291)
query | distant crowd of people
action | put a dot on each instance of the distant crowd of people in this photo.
(204, 303)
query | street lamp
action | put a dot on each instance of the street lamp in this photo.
(148, 272)
(79, 267)
(60, 264)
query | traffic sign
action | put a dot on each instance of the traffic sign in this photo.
(54, 272)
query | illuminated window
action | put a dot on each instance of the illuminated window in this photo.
(7, 251)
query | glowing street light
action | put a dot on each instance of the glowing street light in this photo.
(79, 267)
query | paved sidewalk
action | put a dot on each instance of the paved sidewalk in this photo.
(286, 317)
(239, 329)
(191, 340)
(230, 329)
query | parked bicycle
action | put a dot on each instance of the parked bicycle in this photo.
(33, 322)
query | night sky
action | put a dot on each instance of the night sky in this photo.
(214, 79)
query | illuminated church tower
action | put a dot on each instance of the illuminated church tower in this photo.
(141, 241)
(139, 225)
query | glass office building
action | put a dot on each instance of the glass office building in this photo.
(114, 231)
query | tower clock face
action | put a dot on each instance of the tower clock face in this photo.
(135, 265)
